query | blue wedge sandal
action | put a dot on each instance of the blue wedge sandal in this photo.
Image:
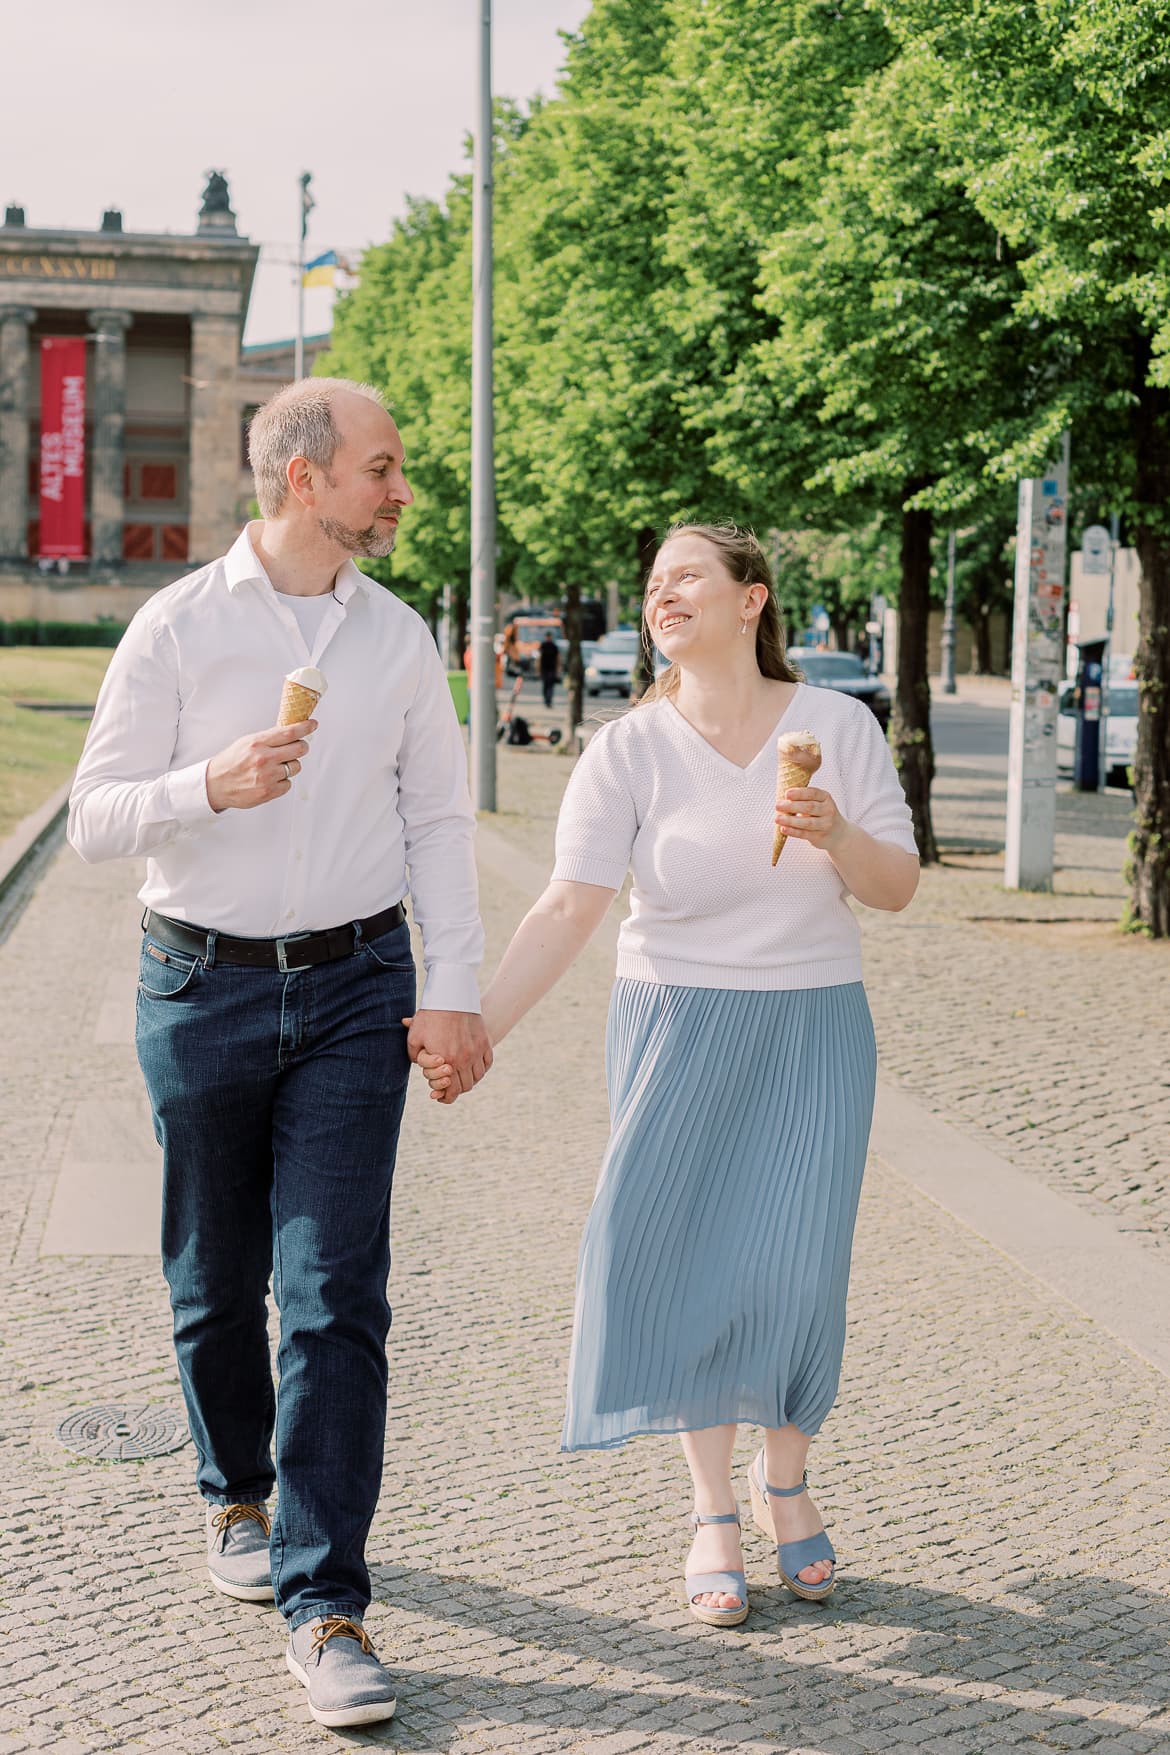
(791, 1557)
(728, 1584)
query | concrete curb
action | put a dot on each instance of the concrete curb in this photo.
(1084, 1257)
(31, 834)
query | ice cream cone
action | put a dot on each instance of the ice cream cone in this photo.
(798, 756)
(301, 691)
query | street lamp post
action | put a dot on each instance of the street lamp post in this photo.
(307, 205)
(483, 499)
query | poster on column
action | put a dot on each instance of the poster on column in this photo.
(63, 447)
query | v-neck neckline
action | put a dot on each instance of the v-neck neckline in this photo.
(735, 767)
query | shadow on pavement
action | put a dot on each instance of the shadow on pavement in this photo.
(1072, 1650)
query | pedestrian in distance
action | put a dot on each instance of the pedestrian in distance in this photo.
(740, 1054)
(549, 661)
(275, 972)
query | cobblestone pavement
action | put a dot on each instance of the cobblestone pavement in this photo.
(994, 1475)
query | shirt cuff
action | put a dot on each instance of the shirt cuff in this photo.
(187, 794)
(450, 987)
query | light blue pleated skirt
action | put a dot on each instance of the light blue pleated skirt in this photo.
(714, 1267)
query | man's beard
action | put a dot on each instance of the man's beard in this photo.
(371, 542)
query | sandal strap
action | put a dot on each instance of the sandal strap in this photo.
(785, 1492)
(721, 1517)
(795, 1556)
(726, 1584)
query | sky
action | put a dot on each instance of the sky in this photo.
(129, 103)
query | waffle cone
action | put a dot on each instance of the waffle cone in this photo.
(296, 703)
(790, 773)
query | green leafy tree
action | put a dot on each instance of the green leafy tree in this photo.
(880, 367)
(1056, 119)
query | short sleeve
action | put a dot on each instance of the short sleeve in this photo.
(876, 801)
(598, 817)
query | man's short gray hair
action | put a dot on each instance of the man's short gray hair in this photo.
(296, 422)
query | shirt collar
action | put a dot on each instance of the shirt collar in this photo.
(242, 563)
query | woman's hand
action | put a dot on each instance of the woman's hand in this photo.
(809, 814)
(439, 1076)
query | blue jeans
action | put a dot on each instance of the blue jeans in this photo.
(277, 1100)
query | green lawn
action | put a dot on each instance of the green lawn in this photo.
(38, 750)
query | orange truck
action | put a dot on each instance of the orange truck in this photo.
(523, 636)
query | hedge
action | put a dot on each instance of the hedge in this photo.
(30, 633)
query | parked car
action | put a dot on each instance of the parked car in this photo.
(613, 662)
(1120, 732)
(844, 672)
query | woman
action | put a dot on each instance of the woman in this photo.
(740, 1053)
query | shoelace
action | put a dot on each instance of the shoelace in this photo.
(339, 1626)
(233, 1514)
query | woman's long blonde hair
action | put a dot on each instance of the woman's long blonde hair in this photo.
(744, 558)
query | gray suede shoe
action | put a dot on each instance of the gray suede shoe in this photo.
(335, 1661)
(237, 1552)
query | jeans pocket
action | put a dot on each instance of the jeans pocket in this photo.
(391, 952)
(166, 974)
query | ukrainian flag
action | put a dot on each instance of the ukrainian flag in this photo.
(323, 270)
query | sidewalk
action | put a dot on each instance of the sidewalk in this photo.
(994, 1475)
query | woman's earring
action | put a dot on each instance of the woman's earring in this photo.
(743, 625)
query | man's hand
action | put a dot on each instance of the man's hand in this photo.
(257, 768)
(456, 1040)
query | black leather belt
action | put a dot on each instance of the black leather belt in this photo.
(296, 950)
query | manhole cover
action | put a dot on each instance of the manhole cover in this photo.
(117, 1434)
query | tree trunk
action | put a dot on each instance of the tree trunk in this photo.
(459, 617)
(981, 628)
(913, 749)
(643, 672)
(574, 671)
(1149, 870)
(979, 619)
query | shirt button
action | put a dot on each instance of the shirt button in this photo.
(298, 854)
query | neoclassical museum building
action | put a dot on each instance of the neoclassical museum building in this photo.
(123, 394)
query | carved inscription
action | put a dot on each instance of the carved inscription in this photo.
(59, 267)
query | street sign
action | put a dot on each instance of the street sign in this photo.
(1037, 633)
(1096, 552)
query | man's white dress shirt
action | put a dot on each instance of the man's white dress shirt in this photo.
(381, 803)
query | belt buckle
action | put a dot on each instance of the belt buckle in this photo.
(282, 962)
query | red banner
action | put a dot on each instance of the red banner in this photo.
(63, 446)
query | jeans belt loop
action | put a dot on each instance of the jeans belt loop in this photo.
(358, 939)
(209, 953)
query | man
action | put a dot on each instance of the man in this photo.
(549, 661)
(275, 979)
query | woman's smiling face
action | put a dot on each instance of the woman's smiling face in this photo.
(692, 602)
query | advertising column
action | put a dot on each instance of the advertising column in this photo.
(1037, 651)
(62, 500)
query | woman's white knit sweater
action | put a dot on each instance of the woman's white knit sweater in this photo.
(708, 908)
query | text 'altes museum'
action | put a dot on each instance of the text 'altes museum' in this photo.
(122, 405)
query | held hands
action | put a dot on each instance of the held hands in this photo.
(809, 814)
(457, 1054)
(258, 767)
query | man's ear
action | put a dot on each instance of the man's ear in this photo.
(299, 475)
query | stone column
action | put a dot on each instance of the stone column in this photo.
(15, 366)
(108, 457)
(215, 436)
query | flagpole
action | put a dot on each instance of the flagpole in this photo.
(483, 508)
(306, 209)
